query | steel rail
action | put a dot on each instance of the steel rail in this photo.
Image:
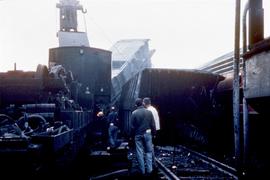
(109, 174)
(214, 163)
(165, 171)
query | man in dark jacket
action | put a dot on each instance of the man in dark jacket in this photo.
(142, 127)
(113, 127)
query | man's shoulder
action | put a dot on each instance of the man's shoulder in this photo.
(135, 111)
(148, 112)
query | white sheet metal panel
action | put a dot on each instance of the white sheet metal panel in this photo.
(258, 79)
(72, 39)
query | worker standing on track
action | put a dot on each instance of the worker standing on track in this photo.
(142, 127)
(113, 127)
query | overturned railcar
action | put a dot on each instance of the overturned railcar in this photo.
(185, 100)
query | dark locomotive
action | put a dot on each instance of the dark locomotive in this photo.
(46, 115)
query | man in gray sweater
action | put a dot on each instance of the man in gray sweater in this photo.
(142, 128)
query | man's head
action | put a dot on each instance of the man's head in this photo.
(138, 102)
(146, 101)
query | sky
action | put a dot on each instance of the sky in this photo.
(184, 33)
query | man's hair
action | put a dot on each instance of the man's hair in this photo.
(147, 101)
(138, 102)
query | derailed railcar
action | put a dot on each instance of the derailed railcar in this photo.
(185, 100)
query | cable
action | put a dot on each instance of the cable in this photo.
(125, 57)
(104, 34)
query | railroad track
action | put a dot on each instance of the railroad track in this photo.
(180, 162)
(174, 163)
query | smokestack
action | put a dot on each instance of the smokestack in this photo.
(68, 14)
